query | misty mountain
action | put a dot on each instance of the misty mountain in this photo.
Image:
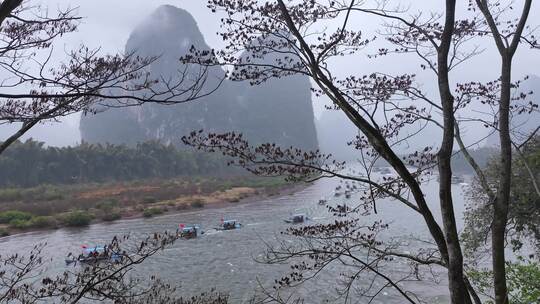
(278, 111)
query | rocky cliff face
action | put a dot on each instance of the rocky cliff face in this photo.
(278, 111)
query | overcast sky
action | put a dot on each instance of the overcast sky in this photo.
(108, 23)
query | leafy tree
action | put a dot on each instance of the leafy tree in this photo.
(523, 217)
(30, 163)
(523, 278)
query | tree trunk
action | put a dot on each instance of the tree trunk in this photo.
(7, 7)
(457, 286)
(500, 208)
(502, 202)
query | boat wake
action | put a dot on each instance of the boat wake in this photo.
(255, 224)
(213, 232)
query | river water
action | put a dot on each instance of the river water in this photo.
(226, 260)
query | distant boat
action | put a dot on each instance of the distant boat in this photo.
(230, 225)
(190, 231)
(322, 201)
(296, 218)
(90, 255)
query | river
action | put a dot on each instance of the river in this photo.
(225, 260)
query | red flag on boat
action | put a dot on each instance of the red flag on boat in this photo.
(84, 246)
(182, 226)
(222, 220)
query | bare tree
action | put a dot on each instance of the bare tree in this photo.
(300, 38)
(35, 89)
(26, 279)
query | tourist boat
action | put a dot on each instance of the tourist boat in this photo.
(90, 255)
(189, 231)
(229, 225)
(296, 218)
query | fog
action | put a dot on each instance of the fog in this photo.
(263, 188)
(107, 25)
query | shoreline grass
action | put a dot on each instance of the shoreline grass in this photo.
(55, 206)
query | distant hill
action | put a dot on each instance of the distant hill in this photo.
(278, 111)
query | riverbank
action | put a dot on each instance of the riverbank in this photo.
(53, 207)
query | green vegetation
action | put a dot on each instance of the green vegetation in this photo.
(77, 218)
(19, 224)
(53, 206)
(523, 282)
(24, 220)
(10, 194)
(524, 214)
(111, 216)
(39, 194)
(523, 277)
(107, 205)
(42, 222)
(30, 163)
(3, 232)
(8, 217)
(149, 212)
